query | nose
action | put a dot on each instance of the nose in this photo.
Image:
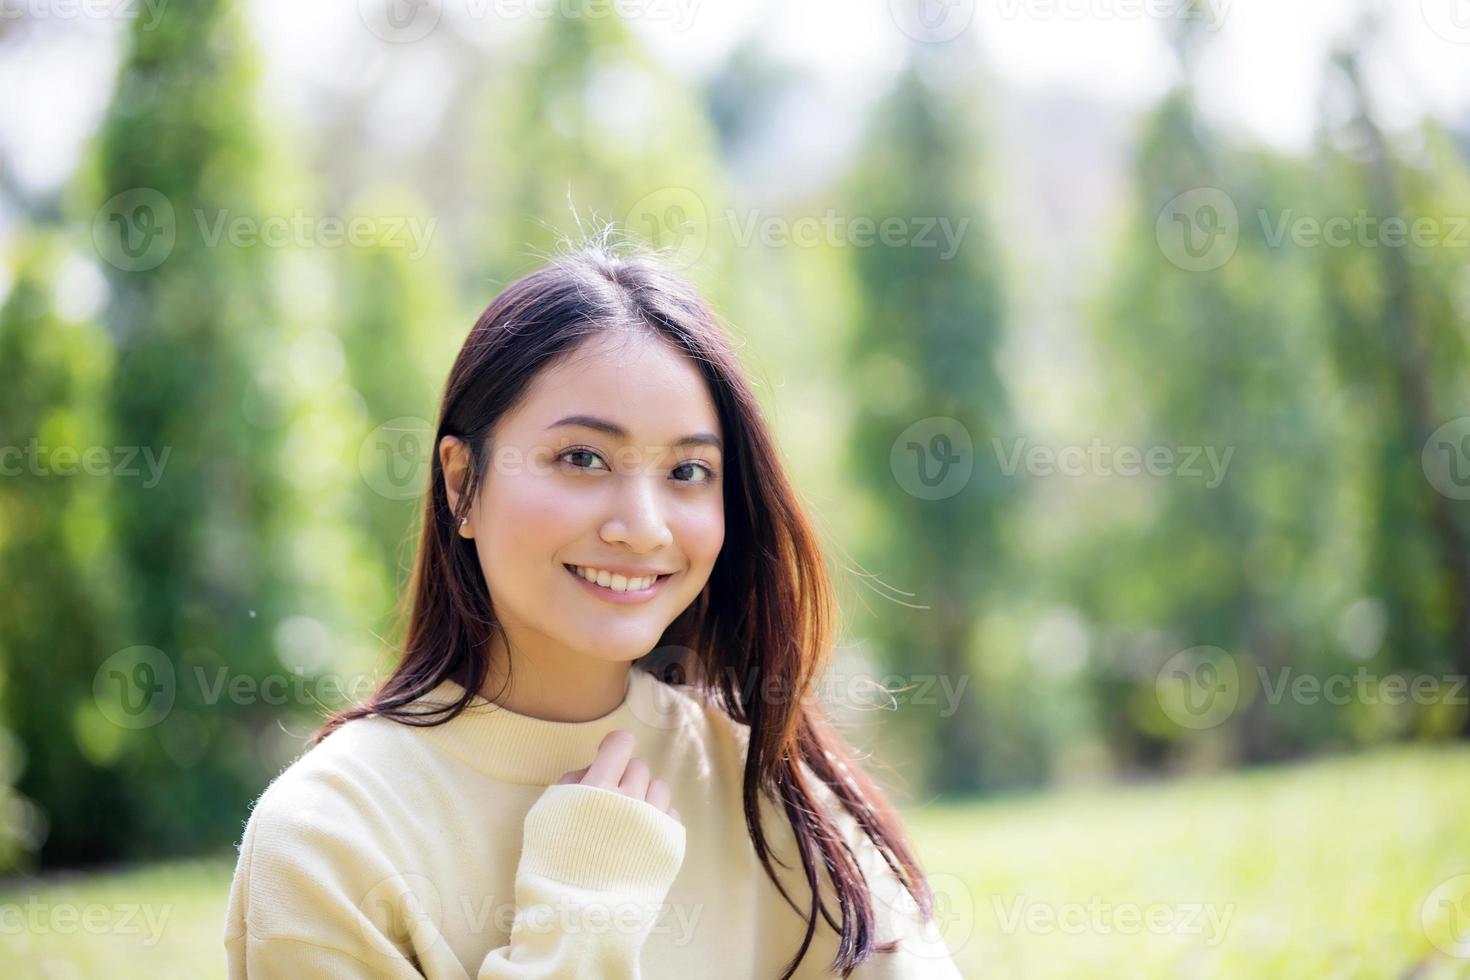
(638, 518)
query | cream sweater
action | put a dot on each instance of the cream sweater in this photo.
(447, 852)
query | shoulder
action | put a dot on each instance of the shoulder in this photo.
(694, 718)
(334, 778)
(319, 841)
(341, 805)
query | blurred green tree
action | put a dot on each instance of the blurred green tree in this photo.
(1396, 312)
(62, 590)
(1211, 343)
(922, 362)
(589, 128)
(204, 554)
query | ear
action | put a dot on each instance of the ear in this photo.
(454, 462)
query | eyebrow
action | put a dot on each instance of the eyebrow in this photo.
(617, 431)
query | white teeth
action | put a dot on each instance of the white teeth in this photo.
(617, 583)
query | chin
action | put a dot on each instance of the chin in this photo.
(616, 651)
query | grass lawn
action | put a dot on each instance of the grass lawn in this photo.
(1316, 870)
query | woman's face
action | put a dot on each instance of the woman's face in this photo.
(561, 493)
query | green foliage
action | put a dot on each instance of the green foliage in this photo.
(203, 552)
(1399, 349)
(923, 347)
(62, 590)
(1228, 360)
(286, 394)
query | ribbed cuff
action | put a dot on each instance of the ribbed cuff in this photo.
(601, 840)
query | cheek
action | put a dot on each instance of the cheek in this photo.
(701, 535)
(527, 521)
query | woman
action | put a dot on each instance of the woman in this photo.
(600, 754)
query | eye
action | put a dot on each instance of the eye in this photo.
(709, 474)
(580, 451)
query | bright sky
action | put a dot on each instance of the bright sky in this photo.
(1262, 73)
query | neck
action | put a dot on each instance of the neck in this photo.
(554, 686)
(514, 748)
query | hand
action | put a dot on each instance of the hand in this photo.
(615, 768)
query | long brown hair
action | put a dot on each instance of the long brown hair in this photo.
(758, 637)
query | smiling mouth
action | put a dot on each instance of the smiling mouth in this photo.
(611, 592)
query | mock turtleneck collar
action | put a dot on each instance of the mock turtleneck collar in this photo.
(516, 748)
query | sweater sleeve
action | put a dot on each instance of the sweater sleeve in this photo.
(594, 870)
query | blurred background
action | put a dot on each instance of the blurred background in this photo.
(1118, 346)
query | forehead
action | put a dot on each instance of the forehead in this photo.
(639, 382)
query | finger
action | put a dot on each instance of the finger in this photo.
(635, 779)
(612, 758)
(575, 776)
(658, 794)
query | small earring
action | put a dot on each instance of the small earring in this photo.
(462, 520)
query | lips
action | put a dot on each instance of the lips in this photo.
(610, 595)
